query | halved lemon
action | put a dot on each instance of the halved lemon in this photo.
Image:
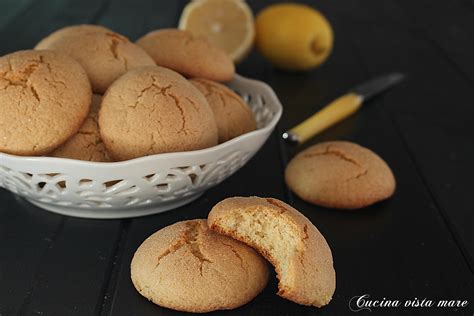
(228, 24)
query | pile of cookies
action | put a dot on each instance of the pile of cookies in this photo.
(207, 265)
(88, 93)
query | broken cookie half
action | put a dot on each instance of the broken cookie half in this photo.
(187, 267)
(295, 247)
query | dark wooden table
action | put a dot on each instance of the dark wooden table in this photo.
(419, 244)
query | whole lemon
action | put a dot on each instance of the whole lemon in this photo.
(293, 36)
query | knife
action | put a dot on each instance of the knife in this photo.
(340, 108)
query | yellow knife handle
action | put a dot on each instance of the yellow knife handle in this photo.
(333, 113)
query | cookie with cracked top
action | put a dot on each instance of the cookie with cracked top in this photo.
(44, 98)
(86, 144)
(187, 267)
(104, 54)
(191, 56)
(152, 110)
(340, 174)
(233, 115)
(300, 254)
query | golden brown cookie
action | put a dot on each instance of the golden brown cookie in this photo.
(72, 29)
(341, 175)
(188, 267)
(191, 56)
(153, 110)
(86, 144)
(44, 98)
(104, 54)
(297, 250)
(233, 116)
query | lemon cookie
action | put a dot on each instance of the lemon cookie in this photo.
(295, 247)
(340, 174)
(86, 144)
(104, 54)
(72, 29)
(188, 267)
(152, 110)
(189, 55)
(233, 116)
(44, 98)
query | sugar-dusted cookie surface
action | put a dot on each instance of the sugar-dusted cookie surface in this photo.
(340, 174)
(189, 55)
(153, 110)
(86, 144)
(44, 98)
(233, 115)
(104, 54)
(188, 267)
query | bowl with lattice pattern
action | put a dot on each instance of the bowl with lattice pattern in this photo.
(145, 185)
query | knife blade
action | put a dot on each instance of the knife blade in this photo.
(370, 89)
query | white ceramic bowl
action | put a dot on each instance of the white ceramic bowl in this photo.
(145, 185)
